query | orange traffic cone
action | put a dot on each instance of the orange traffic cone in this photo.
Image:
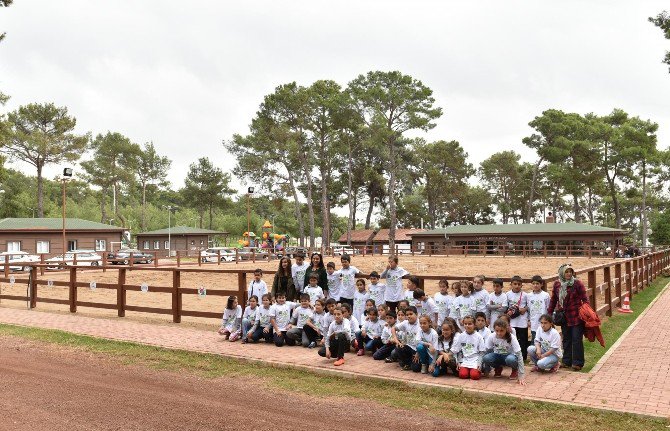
(626, 306)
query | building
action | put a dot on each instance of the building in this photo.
(188, 240)
(403, 240)
(497, 238)
(45, 235)
(359, 238)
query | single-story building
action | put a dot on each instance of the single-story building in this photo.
(403, 240)
(188, 240)
(359, 238)
(45, 235)
(501, 238)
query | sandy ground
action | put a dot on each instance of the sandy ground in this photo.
(59, 388)
(451, 267)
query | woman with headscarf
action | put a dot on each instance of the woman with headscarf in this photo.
(567, 297)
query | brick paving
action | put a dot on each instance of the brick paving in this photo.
(634, 378)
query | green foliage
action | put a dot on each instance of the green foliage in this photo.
(662, 21)
(660, 229)
(206, 188)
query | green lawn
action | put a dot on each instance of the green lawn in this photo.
(507, 412)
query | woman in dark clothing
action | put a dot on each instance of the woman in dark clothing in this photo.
(568, 296)
(283, 281)
(319, 268)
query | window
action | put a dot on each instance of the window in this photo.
(167, 245)
(42, 247)
(145, 245)
(71, 245)
(100, 245)
(157, 245)
(13, 246)
(202, 242)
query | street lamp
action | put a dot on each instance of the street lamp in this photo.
(67, 175)
(170, 208)
(250, 191)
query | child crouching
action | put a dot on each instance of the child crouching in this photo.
(337, 339)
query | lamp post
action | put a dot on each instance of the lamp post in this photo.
(250, 191)
(170, 208)
(67, 174)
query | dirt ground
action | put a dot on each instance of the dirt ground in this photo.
(452, 267)
(59, 388)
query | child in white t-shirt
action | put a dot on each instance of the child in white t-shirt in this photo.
(257, 287)
(471, 347)
(301, 317)
(387, 346)
(443, 301)
(316, 328)
(337, 339)
(426, 347)
(548, 344)
(334, 284)
(406, 344)
(249, 318)
(412, 285)
(464, 305)
(360, 297)
(480, 325)
(504, 350)
(427, 306)
(377, 290)
(444, 359)
(347, 276)
(497, 304)
(479, 295)
(538, 302)
(370, 336)
(298, 271)
(263, 327)
(353, 324)
(313, 289)
(393, 275)
(231, 322)
(280, 317)
(517, 308)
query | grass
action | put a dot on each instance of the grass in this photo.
(614, 326)
(495, 410)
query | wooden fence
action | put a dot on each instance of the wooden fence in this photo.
(619, 277)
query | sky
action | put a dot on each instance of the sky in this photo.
(188, 75)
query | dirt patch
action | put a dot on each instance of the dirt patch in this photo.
(59, 388)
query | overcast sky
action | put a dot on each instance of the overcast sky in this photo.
(187, 75)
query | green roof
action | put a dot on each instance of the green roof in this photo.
(53, 224)
(525, 228)
(183, 230)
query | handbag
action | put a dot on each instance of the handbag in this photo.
(559, 317)
(513, 310)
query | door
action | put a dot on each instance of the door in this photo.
(72, 245)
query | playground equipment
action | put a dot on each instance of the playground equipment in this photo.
(268, 240)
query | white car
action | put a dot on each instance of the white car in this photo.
(339, 251)
(211, 254)
(21, 257)
(84, 258)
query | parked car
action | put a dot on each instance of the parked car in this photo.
(211, 254)
(342, 250)
(122, 257)
(293, 251)
(18, 260)
(84, 258)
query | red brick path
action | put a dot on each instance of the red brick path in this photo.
(634, 378)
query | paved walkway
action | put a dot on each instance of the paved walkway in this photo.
(635, 377)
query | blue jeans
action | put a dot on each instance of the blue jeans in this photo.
(246, 326)
(444, 367)
(383, 352)
(497, 360)
(424, 354)
(546, 363)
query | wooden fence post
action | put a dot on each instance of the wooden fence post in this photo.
(42, 263)
(592, 286)
(218, 256)
(178, 258)
(176, 296)
(608, 290)
(33, 286)
(121, 293)
(618, 284)
(636, 278)
(242, 287)
(199, 257)
(629, 278)
(73, 290)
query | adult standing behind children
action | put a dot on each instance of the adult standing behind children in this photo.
(393, 275)
(317, 266)
(283, 281)
(567, 297)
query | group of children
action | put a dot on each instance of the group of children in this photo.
(465, 331)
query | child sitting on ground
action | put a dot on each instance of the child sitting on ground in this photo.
(426, 346)
(249, 318)
(353, 324)
(546, 351)
(370, 336)
(471, 347)
(337, 338)
(263, 327)
(407, 344)
(231, 322)
(445, 360)
(387, 345)
(316, 328)
(302, 315)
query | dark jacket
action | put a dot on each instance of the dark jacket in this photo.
(290, 291)
(323, 278)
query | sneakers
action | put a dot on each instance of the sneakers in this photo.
(554, 369)
(514, 375)
(424, 368)
(498, 372)
(389, 360)
(234, 336)
(339, 362)
(534, 369)
(311, 345)
(405, 367)
(577, 367)
(360, 352)
(355, 344)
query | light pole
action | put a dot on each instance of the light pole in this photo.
(250, 191)
(67, 174)
(170, 208)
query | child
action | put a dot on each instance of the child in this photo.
(353, 324)
(403, 305)
(382, 311)
(360, 297)
(301, 316)
(333, 282)
(480, 325)
(347, 275)
(480, 296)
(328, 318)
(393, 275)
(280, 314)
(426, 346)
(407, 344)
(445, 360)
(395, 352)
(369, 305)
(471, 347)
(503, 350)
(497, 305)
(249, 318)
(263, 327)
(387, 345)
(464, 304)
(377, 290)
(337, 338)
(313, 289)
(298, 270)
(548, 344)
(427, 306)
(257, 287)
(516, 310)
(231, 321)
(412, 285)
(443, 301)
(506, 318)
(370, 337)
(316, 327)
(538, 302)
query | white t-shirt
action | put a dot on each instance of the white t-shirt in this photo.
(258, 288)
(373, 329)
(549, 340)
(314, 293)
(298, 272)
(334, 286)
(410, 333)
(327, 320)
(348, 282)
(537, 306)
(428, 337)
(319, 320)
(250, 313)
(301, 315)
(485, 332)
(464, 306)
(386, 334)
(428, 308)
(470, 346)
(443, 303)
(354, 325)
(359, 305)
(228, 322)
(343, 328)
(480, 298)
(513, 298)
(282, 314)
(263, 316)
(501, 346)
(499, 300)
(394, 291)
(377, 293)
